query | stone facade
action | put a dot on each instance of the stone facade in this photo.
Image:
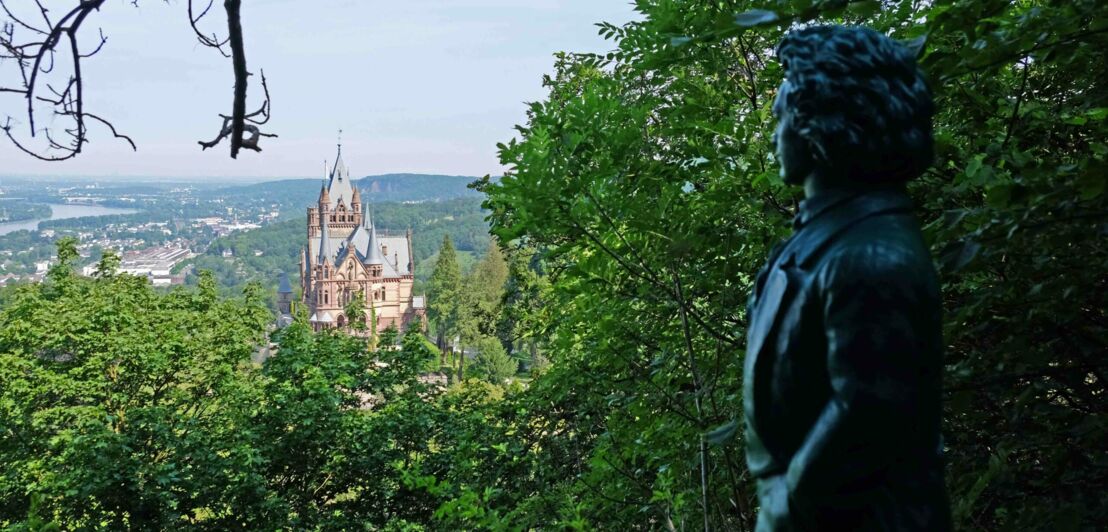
(347, 255)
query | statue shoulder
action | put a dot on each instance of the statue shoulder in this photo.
(882, 250)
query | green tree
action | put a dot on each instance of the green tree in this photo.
(487, 284)
(355, 311)
(108, 264)
(524, 307)
(492, 362)
(445, 285)
(391, 334)
(121, 407)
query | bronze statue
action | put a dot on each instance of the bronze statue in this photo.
(843, 366)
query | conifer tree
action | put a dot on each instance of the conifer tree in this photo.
(487, 284)
(445, 285)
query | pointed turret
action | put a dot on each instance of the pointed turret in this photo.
(324, 197)
(324, 243)
(373, 254)
(357, 197)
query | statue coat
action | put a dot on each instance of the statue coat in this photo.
(842, 391)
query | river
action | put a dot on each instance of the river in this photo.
(61, 211)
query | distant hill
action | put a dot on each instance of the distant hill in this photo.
(415, 187)
(299, 193)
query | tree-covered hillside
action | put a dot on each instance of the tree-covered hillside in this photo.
(295, 195)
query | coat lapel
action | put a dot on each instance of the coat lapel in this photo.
(765, 312)
(796, 253)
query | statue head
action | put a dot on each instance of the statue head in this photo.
(853, 107)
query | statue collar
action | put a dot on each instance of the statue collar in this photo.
(814, 206)
(821, 221)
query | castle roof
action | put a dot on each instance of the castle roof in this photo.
(283, 286)
(339, 187)
(396, 261)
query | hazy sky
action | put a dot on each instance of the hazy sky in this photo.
(419, 86)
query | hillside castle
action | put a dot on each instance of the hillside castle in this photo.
(347, 256)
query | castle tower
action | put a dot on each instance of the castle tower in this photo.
(356, 206)
(284, 295)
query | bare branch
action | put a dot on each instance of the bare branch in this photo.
(35, 59)
(236, 125)
(211, 42)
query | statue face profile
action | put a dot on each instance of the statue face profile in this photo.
(853, 106)
(791, 149)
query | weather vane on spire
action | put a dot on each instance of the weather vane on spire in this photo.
(340, 137)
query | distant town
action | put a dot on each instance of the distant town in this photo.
(156, 229)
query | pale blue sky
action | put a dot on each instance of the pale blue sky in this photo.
(416, 85)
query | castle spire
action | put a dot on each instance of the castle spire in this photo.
(373, 254)
(339, 186)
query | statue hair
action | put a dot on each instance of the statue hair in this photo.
(860, 101)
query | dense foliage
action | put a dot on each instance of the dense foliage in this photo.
(123, 408)
(647, 182)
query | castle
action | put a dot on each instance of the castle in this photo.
(348, 256)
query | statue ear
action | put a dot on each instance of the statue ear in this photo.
(916, 46)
